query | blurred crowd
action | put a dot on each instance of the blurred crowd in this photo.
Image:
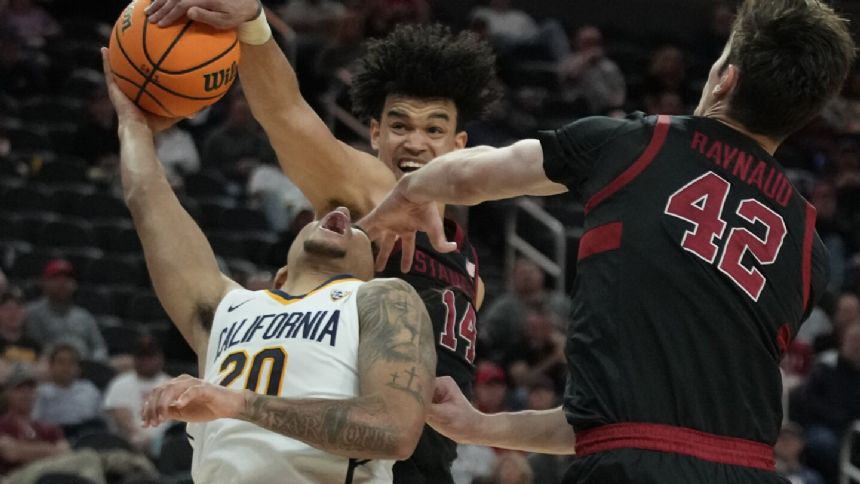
(83, 339)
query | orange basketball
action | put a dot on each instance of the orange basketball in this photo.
(173, 71)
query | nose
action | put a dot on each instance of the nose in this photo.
(344, 211)
(415, 142)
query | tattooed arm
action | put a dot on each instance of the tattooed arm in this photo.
(396, 367)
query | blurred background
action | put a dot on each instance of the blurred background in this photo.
(83, 338)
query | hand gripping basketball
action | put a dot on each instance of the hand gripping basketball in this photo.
(221, 14)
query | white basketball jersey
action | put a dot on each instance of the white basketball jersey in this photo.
(293, 347)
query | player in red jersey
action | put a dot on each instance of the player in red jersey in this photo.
(698, 263)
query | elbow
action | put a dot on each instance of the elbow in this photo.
(409, 435)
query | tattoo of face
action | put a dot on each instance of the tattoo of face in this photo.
(396, 330)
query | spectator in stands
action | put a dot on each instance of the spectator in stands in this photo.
(843, 112)
(312, 17)
(278, 197)
(667, 72)
(4, 282)
(66, 399)
(829, 402)
(512, 29)
(177, 151)
(846, 311)
(490, 388)
(55, 318)
(846, 159)
(711, 45)
(95, 140)
(15, 347)
(540, 353)
(23, 439)
(513, 468)
(239, 144)
(548, 469)
(588, 75)
(125, 395)
(30, 22)
(384, 15)
(334, 66)
(20, 75)
(788, 449)
(833, 228)
(502, 321)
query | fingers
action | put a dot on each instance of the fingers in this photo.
(155, 410)
(219, 20)
(407, 247)
(160, 9)
(386, 245)
(436, 234)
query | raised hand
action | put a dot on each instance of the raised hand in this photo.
(399, 218)
(221, 14)
(126, 110)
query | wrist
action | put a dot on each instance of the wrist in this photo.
(408, 188)
(256, 31)
(243, 404)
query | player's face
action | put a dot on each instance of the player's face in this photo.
(333, 244)
(413, 131)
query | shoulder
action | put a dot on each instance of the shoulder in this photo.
(385, 284)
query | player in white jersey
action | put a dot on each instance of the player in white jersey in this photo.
(324, 380)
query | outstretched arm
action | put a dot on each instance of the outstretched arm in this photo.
(462, 177)
(328, 172)
(181, 263)
(396, 365)
(545, 431)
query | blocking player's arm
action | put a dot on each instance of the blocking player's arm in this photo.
(396, 367)
(544, 431)
(327, 171)
(180, 261)
(475, 175)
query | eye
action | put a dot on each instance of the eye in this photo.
(436, 130)
(398, 126)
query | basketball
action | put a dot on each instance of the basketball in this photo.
(173, 71)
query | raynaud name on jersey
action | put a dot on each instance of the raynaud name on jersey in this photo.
(307, 325)
(768, 178)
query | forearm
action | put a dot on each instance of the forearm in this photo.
(358, 427)
(545, 432)
(476, 175)
(140, 169)
(269, 82)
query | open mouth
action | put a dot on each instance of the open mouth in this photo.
(337, 222)
(408, 166)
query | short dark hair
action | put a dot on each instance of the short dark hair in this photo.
(426, 62)
(61, 347)
(793, 56)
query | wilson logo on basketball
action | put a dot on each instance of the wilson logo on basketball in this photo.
(215, 80)
(126, 17)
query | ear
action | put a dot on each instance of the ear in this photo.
(280, 277)
(728, 82)
(374, 134)
(460, 139)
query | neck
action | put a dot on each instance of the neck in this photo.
(305, 280)
(716, 112)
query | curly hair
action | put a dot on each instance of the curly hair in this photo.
(426, 62)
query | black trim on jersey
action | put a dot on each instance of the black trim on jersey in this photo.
(350, 471)
(327, 281)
